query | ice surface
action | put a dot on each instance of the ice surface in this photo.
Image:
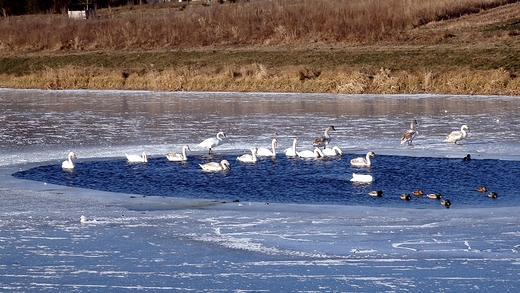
(171, 244)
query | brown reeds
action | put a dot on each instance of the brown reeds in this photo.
(286, 79)
(260, 22)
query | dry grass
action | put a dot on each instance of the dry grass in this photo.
(260, 22)
(365, 46)
(286, 79)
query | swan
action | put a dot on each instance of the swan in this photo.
(83, 219)
(332, 152)
(176, 157)
(323, 141)
(248, 158)
(291, 152)
(67, 164)
(215, 167)
(212, 142)
(361, 178)
(136, 158)
(363, 162)
(409, 134)
(456, 136)
(265, 152)
(317, 153)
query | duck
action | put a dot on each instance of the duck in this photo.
(481, 189)
(176, 157)
(332, 152)
(417, 192)
(291, 152)
(307, 154)
(67, 164)
(136, 158)
(323, 141)
(248, 158)
(446, 202)
(434, 195)
(409, 134)
(456, 136)
(405, 196)
(363, 162)
(361, 178)
(467, 158)
(265, 152)
(212, 142)
(377, 193)
(215, 167)
(493, 194)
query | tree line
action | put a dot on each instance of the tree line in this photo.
(21, 7)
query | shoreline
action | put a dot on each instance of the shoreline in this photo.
(448, 69)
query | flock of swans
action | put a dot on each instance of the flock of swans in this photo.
(321, 150)
(320, 144)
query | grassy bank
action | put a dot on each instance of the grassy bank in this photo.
(459, 47)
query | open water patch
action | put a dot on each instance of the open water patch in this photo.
(305, 181)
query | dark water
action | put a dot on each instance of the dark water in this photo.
(285, 180)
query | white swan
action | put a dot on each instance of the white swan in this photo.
(317, 153)
(215, 167)
(363, 162)
(136, 158)
(361, 178)
(248, 158)
(324, 140)
(291, 152)
(332, 152)
(456, 136)
(409, 134)
(176, 157)
(212, 142)
(265, 152)
(67, 164)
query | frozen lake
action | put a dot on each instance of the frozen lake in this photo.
(156, 243)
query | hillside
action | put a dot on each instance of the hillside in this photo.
(476, 52)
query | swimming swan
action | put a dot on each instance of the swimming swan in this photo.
(363, 162)
(332, 152)
(409, 134)
(317, 153)
(67, 164)
(291, 152)
(215, 167)
(212, 142)
(361, 178)
(456, 136)
(323, 141)
(136, 158)
(176, 157)
(265, 152)
(248, 158)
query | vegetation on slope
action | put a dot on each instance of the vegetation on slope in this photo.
(365, 46)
